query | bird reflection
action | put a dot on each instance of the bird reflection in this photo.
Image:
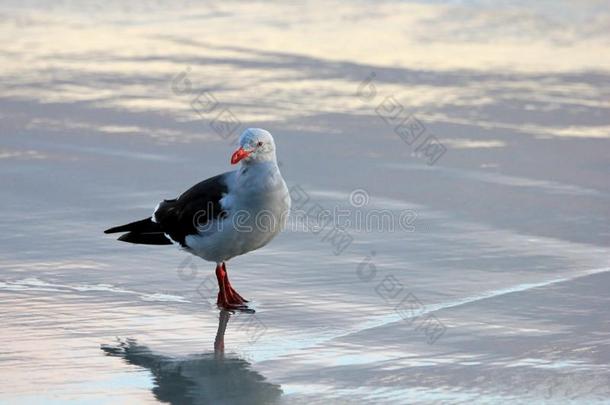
(207, 378)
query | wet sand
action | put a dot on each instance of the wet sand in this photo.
(489, 283)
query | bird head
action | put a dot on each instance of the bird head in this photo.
(255, 145)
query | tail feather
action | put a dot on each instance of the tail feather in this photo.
(141, 226)
(146, 238)
(144, 232)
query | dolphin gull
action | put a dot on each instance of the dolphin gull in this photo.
(224, 216)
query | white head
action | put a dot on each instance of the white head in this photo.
(255, 145)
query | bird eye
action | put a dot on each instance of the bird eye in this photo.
(260, 143)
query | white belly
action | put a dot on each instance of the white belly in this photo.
(252, 222)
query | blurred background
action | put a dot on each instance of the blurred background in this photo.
(484, 126)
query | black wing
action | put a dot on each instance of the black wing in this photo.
(194, 208)
(180, 217)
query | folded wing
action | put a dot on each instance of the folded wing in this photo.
(174, 220)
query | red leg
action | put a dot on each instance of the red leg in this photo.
(226, 299)
(230, 288)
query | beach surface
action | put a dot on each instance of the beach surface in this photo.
(462, 149)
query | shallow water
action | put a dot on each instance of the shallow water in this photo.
(488, 284)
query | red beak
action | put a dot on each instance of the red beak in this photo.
(238, 155)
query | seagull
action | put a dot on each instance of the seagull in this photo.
(224, 216)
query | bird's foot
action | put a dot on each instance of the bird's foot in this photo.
(236, 296)
(228, 298)
(231, 302)
(234, 307)
(231, 293)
